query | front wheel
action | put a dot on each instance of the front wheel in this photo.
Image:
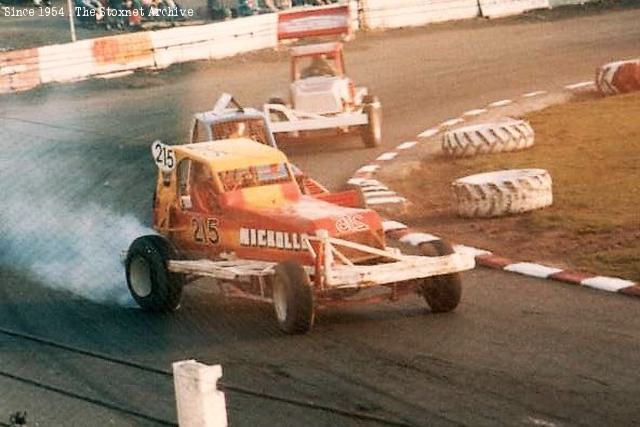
(151, 284)
(293, 298)
(442, 293)
(372, 131)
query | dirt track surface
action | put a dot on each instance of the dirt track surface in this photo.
(518, 351)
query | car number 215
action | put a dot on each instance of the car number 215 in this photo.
(164, 156)
(205, 231)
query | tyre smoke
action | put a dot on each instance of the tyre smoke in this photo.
(48, 231)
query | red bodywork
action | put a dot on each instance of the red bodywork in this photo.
(268, 222)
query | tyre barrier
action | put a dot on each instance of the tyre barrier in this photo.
(503, 192)
(488, 138)
(618, 77)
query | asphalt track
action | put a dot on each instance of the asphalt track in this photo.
(518, 351)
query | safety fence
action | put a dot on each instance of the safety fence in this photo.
(26, 69)
(380, 14)
(500, 8)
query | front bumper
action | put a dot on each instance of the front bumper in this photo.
(409, 268)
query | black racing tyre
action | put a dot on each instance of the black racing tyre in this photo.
(443, 292)
(293, 298)
(152, 286)
(372, 131)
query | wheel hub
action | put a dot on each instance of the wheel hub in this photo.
(280, 301)
(140, 277)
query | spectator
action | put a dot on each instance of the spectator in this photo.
(118, 20)
(275, 5)
(85, 16)
(135, 19)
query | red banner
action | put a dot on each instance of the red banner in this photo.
(320, 21)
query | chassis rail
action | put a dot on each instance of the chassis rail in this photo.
(333, 270)
(298, 121)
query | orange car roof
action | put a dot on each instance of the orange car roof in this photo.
(316, 49)
(229, 154)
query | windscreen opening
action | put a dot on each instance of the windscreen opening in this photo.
(255, 176)
(246, 128)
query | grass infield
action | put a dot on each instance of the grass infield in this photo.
(591, 147)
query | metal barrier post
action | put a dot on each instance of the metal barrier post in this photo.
(199, 402)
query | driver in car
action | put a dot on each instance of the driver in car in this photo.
(319, 67)
(202, 188)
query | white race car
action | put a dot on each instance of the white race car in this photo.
(323, 98)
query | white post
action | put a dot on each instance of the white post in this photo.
(323, 235)
(199, 402)
(72, 23)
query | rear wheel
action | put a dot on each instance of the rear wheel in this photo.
(293, 298)
(442, 293)
(372, 131)
(152, 286)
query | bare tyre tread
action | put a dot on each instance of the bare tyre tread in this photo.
(618, 77)
(503, 193)
(299, 311)
(443, 293)
(489, 138)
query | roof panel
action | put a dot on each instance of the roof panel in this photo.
(227, 154)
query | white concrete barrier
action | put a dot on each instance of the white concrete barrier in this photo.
(499, 8)
(198, 400)
(120, 53)
(19, 70)
(75, 61)
(213, 41)
(355, 15)
(65, 62)
(409, 13)
(557, 3)
(25, 69)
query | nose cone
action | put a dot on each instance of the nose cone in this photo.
(312, 214)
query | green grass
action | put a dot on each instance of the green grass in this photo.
(591, 148)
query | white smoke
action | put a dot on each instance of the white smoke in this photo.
(63, 243)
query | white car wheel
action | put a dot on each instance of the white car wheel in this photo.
(140, 277)
(280, 301)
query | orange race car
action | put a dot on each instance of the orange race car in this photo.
(232, 210)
